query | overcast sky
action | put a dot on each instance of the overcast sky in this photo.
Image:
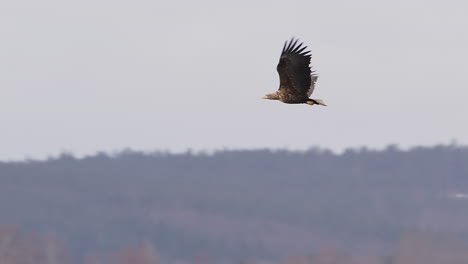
(101, 75)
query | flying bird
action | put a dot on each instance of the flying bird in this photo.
(297, 80)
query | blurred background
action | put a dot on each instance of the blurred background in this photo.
(134, 132)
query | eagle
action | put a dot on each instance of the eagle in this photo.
(297, 80)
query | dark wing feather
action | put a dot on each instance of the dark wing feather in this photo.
(293, 69)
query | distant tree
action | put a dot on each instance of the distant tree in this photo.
(331, 255)
(202, 259)
(142, 254)
(370, 260)
(17, 246)
(297, 259)
(422, 247)
(54, 249)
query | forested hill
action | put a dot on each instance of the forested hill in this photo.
(239, 204)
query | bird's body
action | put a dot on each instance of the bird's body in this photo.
(297, 81)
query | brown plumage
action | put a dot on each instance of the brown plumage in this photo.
(297, 80)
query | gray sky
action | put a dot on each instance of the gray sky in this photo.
(93, 75)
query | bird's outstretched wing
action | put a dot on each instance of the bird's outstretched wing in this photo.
(293, 69)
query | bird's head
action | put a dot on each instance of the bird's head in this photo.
(272, 96)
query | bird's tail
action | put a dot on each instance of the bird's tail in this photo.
(315, 101)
